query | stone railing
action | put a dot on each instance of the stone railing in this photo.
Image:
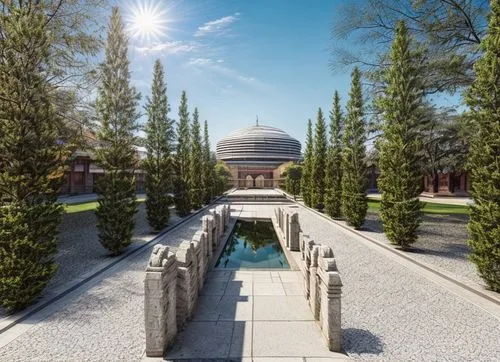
(174, 281)
(322, 283)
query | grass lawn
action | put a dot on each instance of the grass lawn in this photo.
(430, 208)
(86, 206)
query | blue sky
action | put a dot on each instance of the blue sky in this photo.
(239, 59)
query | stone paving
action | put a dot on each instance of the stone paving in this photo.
(261, 314)
(389, 312)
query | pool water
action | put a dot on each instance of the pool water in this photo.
(253, 244)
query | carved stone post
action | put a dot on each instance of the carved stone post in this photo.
(199, 239)
(330, 289)
(228, 214)
(307, 261)
(294, 232)
(286, 230)
(208, 227)
(160, 301)
(187, 282)
(314, 301)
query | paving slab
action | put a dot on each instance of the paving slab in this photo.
(241, 342)
(281, 308)
(238, 288)
(214, 288)
(268, 289)
(288, 339)
(293, 288)
(215, 341)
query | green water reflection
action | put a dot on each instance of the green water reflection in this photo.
(253, 244)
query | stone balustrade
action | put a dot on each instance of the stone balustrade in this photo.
(289, 228)
(322, 282)
(174, 281)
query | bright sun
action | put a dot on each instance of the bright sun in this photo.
(147, 22)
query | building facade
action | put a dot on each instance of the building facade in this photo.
(256, 156)
(82, 173)
(452, 183)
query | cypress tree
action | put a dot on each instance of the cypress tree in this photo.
(399, 147)
(354, 179)
(159, 144)
(116, 109)
(207, 168)
(333, 195)
(319, 163)
(483, 99)
(31, 158)
(181, 186)
(307, 168)
(196, 157)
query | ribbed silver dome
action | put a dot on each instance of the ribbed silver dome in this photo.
(258, 143)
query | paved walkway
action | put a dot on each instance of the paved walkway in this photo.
(252, 314)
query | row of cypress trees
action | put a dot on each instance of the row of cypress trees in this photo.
(400, 148)
(172, 164)
(334, 170)
(400, 152)
(33, 152)
(195, 173)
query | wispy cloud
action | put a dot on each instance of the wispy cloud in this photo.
(246, 79)
(218, 67)
(170, 47)
(217, 27)
(200, 62)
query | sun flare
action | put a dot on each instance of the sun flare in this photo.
(147, 22)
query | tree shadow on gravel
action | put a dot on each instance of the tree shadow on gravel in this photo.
(360, 341)
(449, 251)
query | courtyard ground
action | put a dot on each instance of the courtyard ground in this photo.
(390, 311)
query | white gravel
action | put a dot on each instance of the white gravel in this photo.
(441, 243)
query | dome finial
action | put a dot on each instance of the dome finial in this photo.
(257, 121)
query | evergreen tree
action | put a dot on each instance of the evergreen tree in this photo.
(319, 163)
(333, 197)
(399, 147)
(31, 158)
(196, 160)
(159, 144)
(181, 183)
(116, 109)
(483, 98)
(307, 167)
(221, 176)
(293, 175)
(207, 168)
(354, 179)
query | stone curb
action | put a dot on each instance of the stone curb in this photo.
(426, 266)
(10, 321)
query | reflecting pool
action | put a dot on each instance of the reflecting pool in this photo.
(253, 244)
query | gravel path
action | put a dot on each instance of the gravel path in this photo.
(390, 313)
(441, 242)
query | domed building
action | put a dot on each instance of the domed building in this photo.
(256, 156)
